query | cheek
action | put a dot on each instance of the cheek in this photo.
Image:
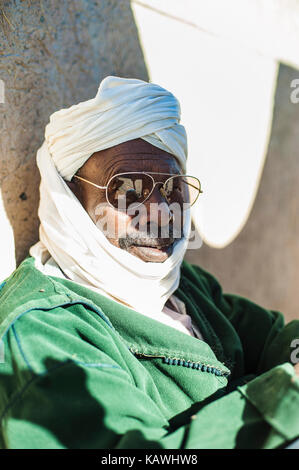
(111, 222)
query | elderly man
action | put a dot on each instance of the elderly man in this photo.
(110, 339)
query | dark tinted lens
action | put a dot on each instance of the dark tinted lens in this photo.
(128, 188)
(182, 189)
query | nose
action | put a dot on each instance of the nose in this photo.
(157, 209)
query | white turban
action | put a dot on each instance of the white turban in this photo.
(123, 109)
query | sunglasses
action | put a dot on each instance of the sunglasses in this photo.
(132, 189)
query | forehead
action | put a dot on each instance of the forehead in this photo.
(135, 155)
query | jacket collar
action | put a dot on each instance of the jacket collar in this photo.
(28, 289)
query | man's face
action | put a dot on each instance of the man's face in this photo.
(145, 238)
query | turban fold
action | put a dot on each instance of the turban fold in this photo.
(122, 110)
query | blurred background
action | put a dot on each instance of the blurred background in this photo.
(234, 66)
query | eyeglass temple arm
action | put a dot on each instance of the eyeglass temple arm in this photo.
(199, 189)
(93, 184)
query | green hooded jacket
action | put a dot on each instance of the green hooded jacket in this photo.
(79, 370)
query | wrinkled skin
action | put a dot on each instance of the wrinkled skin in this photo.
(134, 155)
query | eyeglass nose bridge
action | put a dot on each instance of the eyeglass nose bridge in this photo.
(162, 187)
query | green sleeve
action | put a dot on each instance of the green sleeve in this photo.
(265, 338)
(92, 406)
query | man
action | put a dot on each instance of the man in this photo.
(110, 339)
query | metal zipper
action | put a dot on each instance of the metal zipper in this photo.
(185, 363)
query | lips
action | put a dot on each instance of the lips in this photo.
(147, 243)
(152, 254)
(158, 246)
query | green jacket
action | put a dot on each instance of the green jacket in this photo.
(82, 371)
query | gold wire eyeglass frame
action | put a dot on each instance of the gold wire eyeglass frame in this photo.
(172, 176)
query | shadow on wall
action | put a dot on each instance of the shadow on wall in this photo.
(55, 55)
(262, 262)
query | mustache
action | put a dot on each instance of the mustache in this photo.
(152, 238)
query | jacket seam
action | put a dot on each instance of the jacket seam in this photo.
(21, 349)
(58, 291)
(207, 364)
(69, 303)
(178, 355)
(40, 375)
(15, 285)
(81, 300)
